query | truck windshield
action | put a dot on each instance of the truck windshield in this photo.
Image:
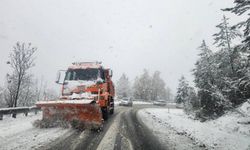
(82, 74)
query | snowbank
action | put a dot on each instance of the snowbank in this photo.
(19, 133)
(231, 131)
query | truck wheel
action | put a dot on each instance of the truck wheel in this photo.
(111, 111)
(105, 113)
(112, 106)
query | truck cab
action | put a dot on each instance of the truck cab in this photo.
(90, 81)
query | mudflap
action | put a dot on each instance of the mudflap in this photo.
(77, 114)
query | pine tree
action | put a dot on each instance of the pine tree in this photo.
(193, 102)
(223, 39)
(187, 96)
(204, 69)
(182, 91)
(225, 60)
(206, 73)
(242, 7)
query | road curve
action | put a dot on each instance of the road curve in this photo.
(137, 133)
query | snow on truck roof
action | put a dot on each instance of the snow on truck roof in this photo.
(85, 65)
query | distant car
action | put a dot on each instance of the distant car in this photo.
(160, 103)
(126, 102)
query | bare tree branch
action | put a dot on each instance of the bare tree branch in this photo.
(21, 60)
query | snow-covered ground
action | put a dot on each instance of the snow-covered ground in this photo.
(19, 133)
(229, 132)
(141, 102)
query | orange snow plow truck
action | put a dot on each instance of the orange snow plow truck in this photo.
(87, 96)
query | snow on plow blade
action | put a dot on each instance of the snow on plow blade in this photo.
(79, 114)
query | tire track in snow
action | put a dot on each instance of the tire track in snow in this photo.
(137, 133)
(87, 140)
(31, 138)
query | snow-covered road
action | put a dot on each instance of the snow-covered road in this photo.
(122, 131)
(138, 127)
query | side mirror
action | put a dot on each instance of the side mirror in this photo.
(110, 73)
(60, 76)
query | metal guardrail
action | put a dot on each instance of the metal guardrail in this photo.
(18, 110)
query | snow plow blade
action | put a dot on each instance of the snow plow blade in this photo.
(79, 114)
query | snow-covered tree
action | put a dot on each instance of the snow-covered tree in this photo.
(29, 93)
(187, 96)
(148, 87)
(212, 78)
(222, 78)
(204, 68)
(10, 89)
(2, 102)
(242, 7)
(169, 95)
(123, 87)
(226, 82)
(137, 89)
(205, 80)
(223, 39)
(225, 59)
(26, 94)
(158, 87)
(182, 91)
(142, 86)
(21, 60)
(191, 103)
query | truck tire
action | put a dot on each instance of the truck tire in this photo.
(111, 111)
(105, 113)
(112, 106)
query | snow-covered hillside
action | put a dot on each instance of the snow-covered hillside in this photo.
(229, 132)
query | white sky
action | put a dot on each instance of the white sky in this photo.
(126, 35)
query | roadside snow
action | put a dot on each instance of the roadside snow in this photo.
(229, 132)
(135, 103)
(20, 134)
(141, 102)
